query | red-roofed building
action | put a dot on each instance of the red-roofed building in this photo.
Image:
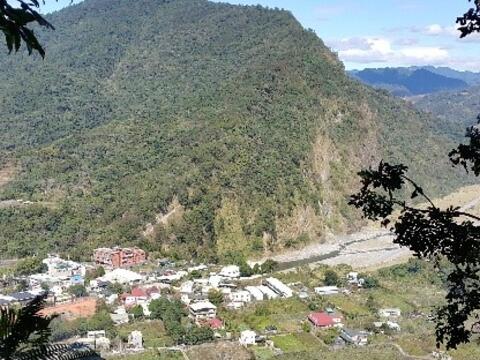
(215, 324)
(138, 296)
(139, 293)
(325, 320)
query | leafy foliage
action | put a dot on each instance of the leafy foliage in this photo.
(15, 24)
(136, 311)
(171, 313)
(468, 155)
(78, 290)
(22, 329)
(29, 266)
(215, 297)
(331, 278)
(470, 21)
(198, 335)
(432, 233)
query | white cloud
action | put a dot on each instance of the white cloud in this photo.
(434, 29)
(381, 50)
(439, 30)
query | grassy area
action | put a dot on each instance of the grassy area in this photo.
(286, 314)
(154, 334)
(381, 353)
(297, 342)
(263, 353)
(150, 355)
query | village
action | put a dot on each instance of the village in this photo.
(197, 303)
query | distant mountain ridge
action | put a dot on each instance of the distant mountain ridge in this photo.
(414, 81)
(470, 77)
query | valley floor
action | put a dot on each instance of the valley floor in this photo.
(370, 248)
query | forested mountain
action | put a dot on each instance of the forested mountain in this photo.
(470, 77)
(455, 110)
(410, 81)
(191, 128)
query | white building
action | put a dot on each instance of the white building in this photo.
(359, 338)
(122, 276)
(200, 267)
(130, 301)
(96, 334)
(327, 290)
(255, 292)
(390, 312)
(352, 276)
(186, 291)
(111, 299)
(234, 305)
(279, 287)
(135, 340)
(146, 310)
(267, 292)
(247, 337)
(241, 296)
(215, 281)
(230, 271)
(172, 276)
(64, 269)
(389, 324)
(202, 310)
(120, 316)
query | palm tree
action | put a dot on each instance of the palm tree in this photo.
(23, 328)
(25, 334)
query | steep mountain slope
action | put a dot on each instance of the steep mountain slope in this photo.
(455, 110)
(408, 81)
(194, 129)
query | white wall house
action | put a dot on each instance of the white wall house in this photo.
(135, 340)
(390, 312)
(247, 337)
(279, 287)
(267, 292)
(122, 276)
(231, 271)
(241, 296)
(327, 290)
(60, 268)
(202, 310)
(255, 292)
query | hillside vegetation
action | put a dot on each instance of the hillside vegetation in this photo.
(456, 110)
(235, 118)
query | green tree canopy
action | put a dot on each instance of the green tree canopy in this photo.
(215, 297)
(331, 278)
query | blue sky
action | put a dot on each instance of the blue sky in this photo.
(379, 33)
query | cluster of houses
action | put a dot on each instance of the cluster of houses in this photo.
(59, 277)
(99, 341)
(191, 285)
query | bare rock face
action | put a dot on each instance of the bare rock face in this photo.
(175, 210)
